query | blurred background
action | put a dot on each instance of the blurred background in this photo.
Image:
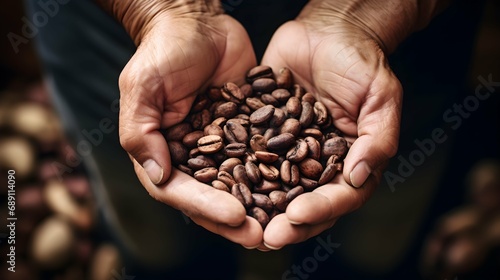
(435, 219)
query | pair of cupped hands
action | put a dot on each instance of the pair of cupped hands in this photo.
(340, 62)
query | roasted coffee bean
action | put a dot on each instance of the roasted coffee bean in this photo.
(284, 78)
(313, 132)
(281, 94)
(262, 115)
(229, 164)
(215, 94)
(246, 90)
(231, 92)
(201, 119)
(320, 112)
(293, 193)
(269, 172)
(270, 133)
(261, 71)
(219, 157)
(307, 114)
(243, 194)
(191, 139)
(250, 157)
(258, 143)
(213, 129)
(178, 131)
(278, 198)
(298, 152)
(260, 215)
(194, 153)
(243, 117)
(220, 121)
(269, 99)
(226, 178)
(227, 110)
(311, 168)
(289, 173)
(200, 162)
(240, 175)
(335, 146)
(298, 91)
(307, 183)
(201, 102)
(214, 106)
(262, 201)
(266, 157)
(242, 122)
(178, 152)
(313, 148)
(266, 186)
(294, 106)
(290, 126)
(264, 85)
(210, 144)
(235, 133)
(235, 150)
(253, 172)
(244, 109)
(278, 118)
(333, 159)
(309, 98)
(281, 142)
(206, 175)
(220, 186)
(254, 103)
(254, 130)
(185, 169)
(327, 174)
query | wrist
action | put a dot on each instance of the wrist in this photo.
(138, 17)
(386, 22)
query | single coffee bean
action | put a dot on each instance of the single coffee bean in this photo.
(313, 132)
(333, 159)
(289, 173)
(201, 102)
(290, 126)
(270, 133)
(227, 110)
(185, 169)
(213, 129)
(253, 172)
(201, 119)
(220, 122)
(178, 131)
(293, 193)
(258, 143)
(281, 142)
(307, 114)
(220, 186)
(327, 174)
(311, 168)
(284, 78)
(231, 92)
(243, 117)
(191, 139)
(235, 133)
(269, 172)
(298, 152)
(264, 85)
(206, 175)
(266, 186)
(243, 194)
(242, 122)
(229, 164)
(254, 130)
(293, 106)
(281, 94)
(216, 105)
(178, 152)
(266, 157)
(298, 91)
(278, 198)
(200, 162)
(320, 112)
(194, 153)
(214, 94)
(313, 148)
(235, 149)
(278, 118)
(226, 178)
(309, 98)
(308, 184)
(267, 98)
(210, 144)
(335, 146)
(244, 109)
(249, 157)
(260, 215)
(254, 103)
(262, 201)
(246, 90)
(262, 115)
(261, 71)
(240, 175)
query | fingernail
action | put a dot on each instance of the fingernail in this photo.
(154, 171)
(250, 248)
(294, 222)
(272, 247)
(359, 174)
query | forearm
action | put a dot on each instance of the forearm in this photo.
(137, 16)
(387, 21)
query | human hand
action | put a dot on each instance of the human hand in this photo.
(182, 49)
(343, 64)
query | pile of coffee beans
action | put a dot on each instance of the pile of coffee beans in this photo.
(265, 142)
